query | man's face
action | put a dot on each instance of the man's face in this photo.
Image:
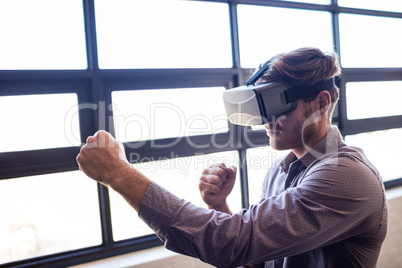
(293, 130)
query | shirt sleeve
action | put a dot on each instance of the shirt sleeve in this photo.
(331, 204)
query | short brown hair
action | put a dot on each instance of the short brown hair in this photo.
(303, 67)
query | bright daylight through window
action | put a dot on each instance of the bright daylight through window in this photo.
(39, 121)
(168, 113)
(42, 34)
(257, 48)
(39, 216)
(153, 72)
(162, 34)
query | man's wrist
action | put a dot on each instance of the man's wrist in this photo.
(222, 208)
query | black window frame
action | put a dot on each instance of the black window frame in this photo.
(94, 86)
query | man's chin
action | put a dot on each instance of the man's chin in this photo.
(277, 146)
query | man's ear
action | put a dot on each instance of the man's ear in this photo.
(324, 101)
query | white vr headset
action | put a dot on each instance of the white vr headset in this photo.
(257, 104)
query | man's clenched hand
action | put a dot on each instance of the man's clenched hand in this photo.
(215, 185)
(103, 159)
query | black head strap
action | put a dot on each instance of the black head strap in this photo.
(298, 92)
(301, 92)
(258, 74)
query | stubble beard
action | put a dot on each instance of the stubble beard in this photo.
(300, 135)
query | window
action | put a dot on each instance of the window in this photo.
(367, 42)
(383, 149)
(373, 99)
(386, 5)
(267, 31)
(42, 34)
(152, 73)
(168, 113)
(47, 214)
(320, 2)
(39, 122)
(162, 34)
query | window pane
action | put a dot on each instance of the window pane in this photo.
(319, 2)
(162, 34)
(267, 31)
(259, 161)
(47, 214)
(383, 149)
(386, 5)
(180, 176)
(166, 113)
(373, 99)
(39, 122)
(42, 34)
(368, 41)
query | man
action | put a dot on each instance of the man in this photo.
(322, 206)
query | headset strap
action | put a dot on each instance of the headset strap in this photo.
(298, 92)
(258, 74)
(301, 92)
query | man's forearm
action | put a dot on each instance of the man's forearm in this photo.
(132, 185)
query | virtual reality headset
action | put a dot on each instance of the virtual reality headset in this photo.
(257, 104)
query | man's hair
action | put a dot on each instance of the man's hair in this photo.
(303, 67)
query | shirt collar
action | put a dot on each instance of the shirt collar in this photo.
(289, 159)
(331, 142)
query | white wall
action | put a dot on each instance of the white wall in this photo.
(150, 258)
(391, 253)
